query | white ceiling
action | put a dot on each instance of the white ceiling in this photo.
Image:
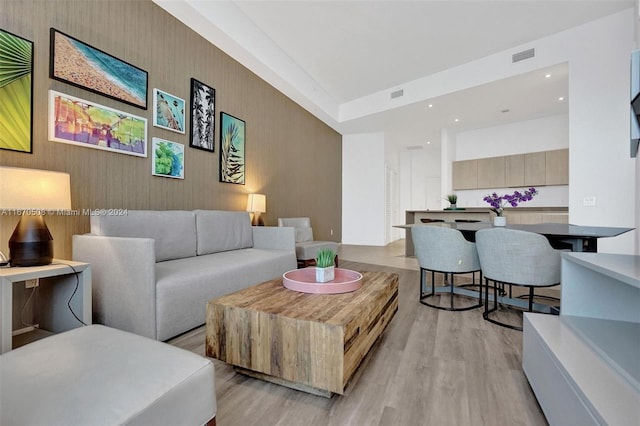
(324, 53)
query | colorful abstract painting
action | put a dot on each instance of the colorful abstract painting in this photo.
(168, 111)
(168, 159)
(79, 122)
(202, 128)
(16, 89)
(79, 64)
(232, 136)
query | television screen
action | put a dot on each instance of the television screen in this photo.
(635, 102)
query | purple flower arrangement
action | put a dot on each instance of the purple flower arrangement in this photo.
(499, 202)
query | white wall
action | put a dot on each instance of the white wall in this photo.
(447, 157)
(543, 134)
(599, 164)
(363, 189)
(420, 178)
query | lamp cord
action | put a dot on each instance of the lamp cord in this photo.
(75, 272)
(24, 306)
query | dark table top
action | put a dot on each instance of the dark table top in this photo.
(552, 229)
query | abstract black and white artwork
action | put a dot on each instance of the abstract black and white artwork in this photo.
(202, 116)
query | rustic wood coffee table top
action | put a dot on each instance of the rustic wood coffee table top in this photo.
(301, 339)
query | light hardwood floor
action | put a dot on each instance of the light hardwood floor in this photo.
(430, 367)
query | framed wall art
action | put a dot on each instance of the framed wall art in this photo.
(168, 111)
(168, 159)
(232, 137)
(202, 131)
(80, 122)
(16, 92)
(75, 62)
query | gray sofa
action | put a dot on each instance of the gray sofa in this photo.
(154, 271)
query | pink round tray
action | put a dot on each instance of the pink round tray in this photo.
(304, 280)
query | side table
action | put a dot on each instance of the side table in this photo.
(57, 283)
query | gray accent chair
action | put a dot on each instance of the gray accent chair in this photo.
(444, 250)
(513, 257)
(306, 247)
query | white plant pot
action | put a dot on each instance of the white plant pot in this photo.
(499, 221)
(324, 275)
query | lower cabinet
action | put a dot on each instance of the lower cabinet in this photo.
(583, 365)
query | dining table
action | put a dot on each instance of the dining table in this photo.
(577, 238)
(564, 236)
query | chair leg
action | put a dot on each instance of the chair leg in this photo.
(449, 278)
(488, 311)
(530, 299)
(451, 291)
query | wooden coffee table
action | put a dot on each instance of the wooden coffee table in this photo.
(310, 342)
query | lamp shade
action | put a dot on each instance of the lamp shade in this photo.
(32, 193)
(34, 189)
(257, 203)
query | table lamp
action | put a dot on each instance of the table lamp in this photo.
(32, 193)
(257, 204)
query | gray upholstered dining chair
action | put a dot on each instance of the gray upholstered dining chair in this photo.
(306, 247)
(445, 251)
(516, 258)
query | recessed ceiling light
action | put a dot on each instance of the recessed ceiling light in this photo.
(456, 120)
(428, 142)
(547, 76)
(430, 105)
(561, 98)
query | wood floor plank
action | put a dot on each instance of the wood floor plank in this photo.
(430, 367)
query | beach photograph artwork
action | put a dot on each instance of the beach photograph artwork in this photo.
(202, 116)
(16, 88)
(79, 64)
(168, 159)
(80, 122)
(168, 111)
(232, 135)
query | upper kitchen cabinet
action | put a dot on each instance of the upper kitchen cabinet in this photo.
(465, 174)
(491, 172)
(512, 171)
(557, 167)
(535, 169)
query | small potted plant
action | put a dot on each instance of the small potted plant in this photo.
(499, 202)
(325, 269)
(453, 200)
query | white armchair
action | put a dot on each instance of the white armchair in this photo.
(306, 247)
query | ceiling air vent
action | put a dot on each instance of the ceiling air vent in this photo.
(397, 93)
(521, 56)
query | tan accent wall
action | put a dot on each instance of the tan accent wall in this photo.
(291, 156)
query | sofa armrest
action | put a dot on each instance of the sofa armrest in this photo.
(274, 237)
(123, 281)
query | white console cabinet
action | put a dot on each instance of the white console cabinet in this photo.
(57, 284)
(584, 365)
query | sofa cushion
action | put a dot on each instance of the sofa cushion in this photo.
(174, 231)
(185, 285)
(219, 231)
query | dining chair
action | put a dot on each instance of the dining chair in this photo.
(306, 247)
(516, 258)
(443, 250)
